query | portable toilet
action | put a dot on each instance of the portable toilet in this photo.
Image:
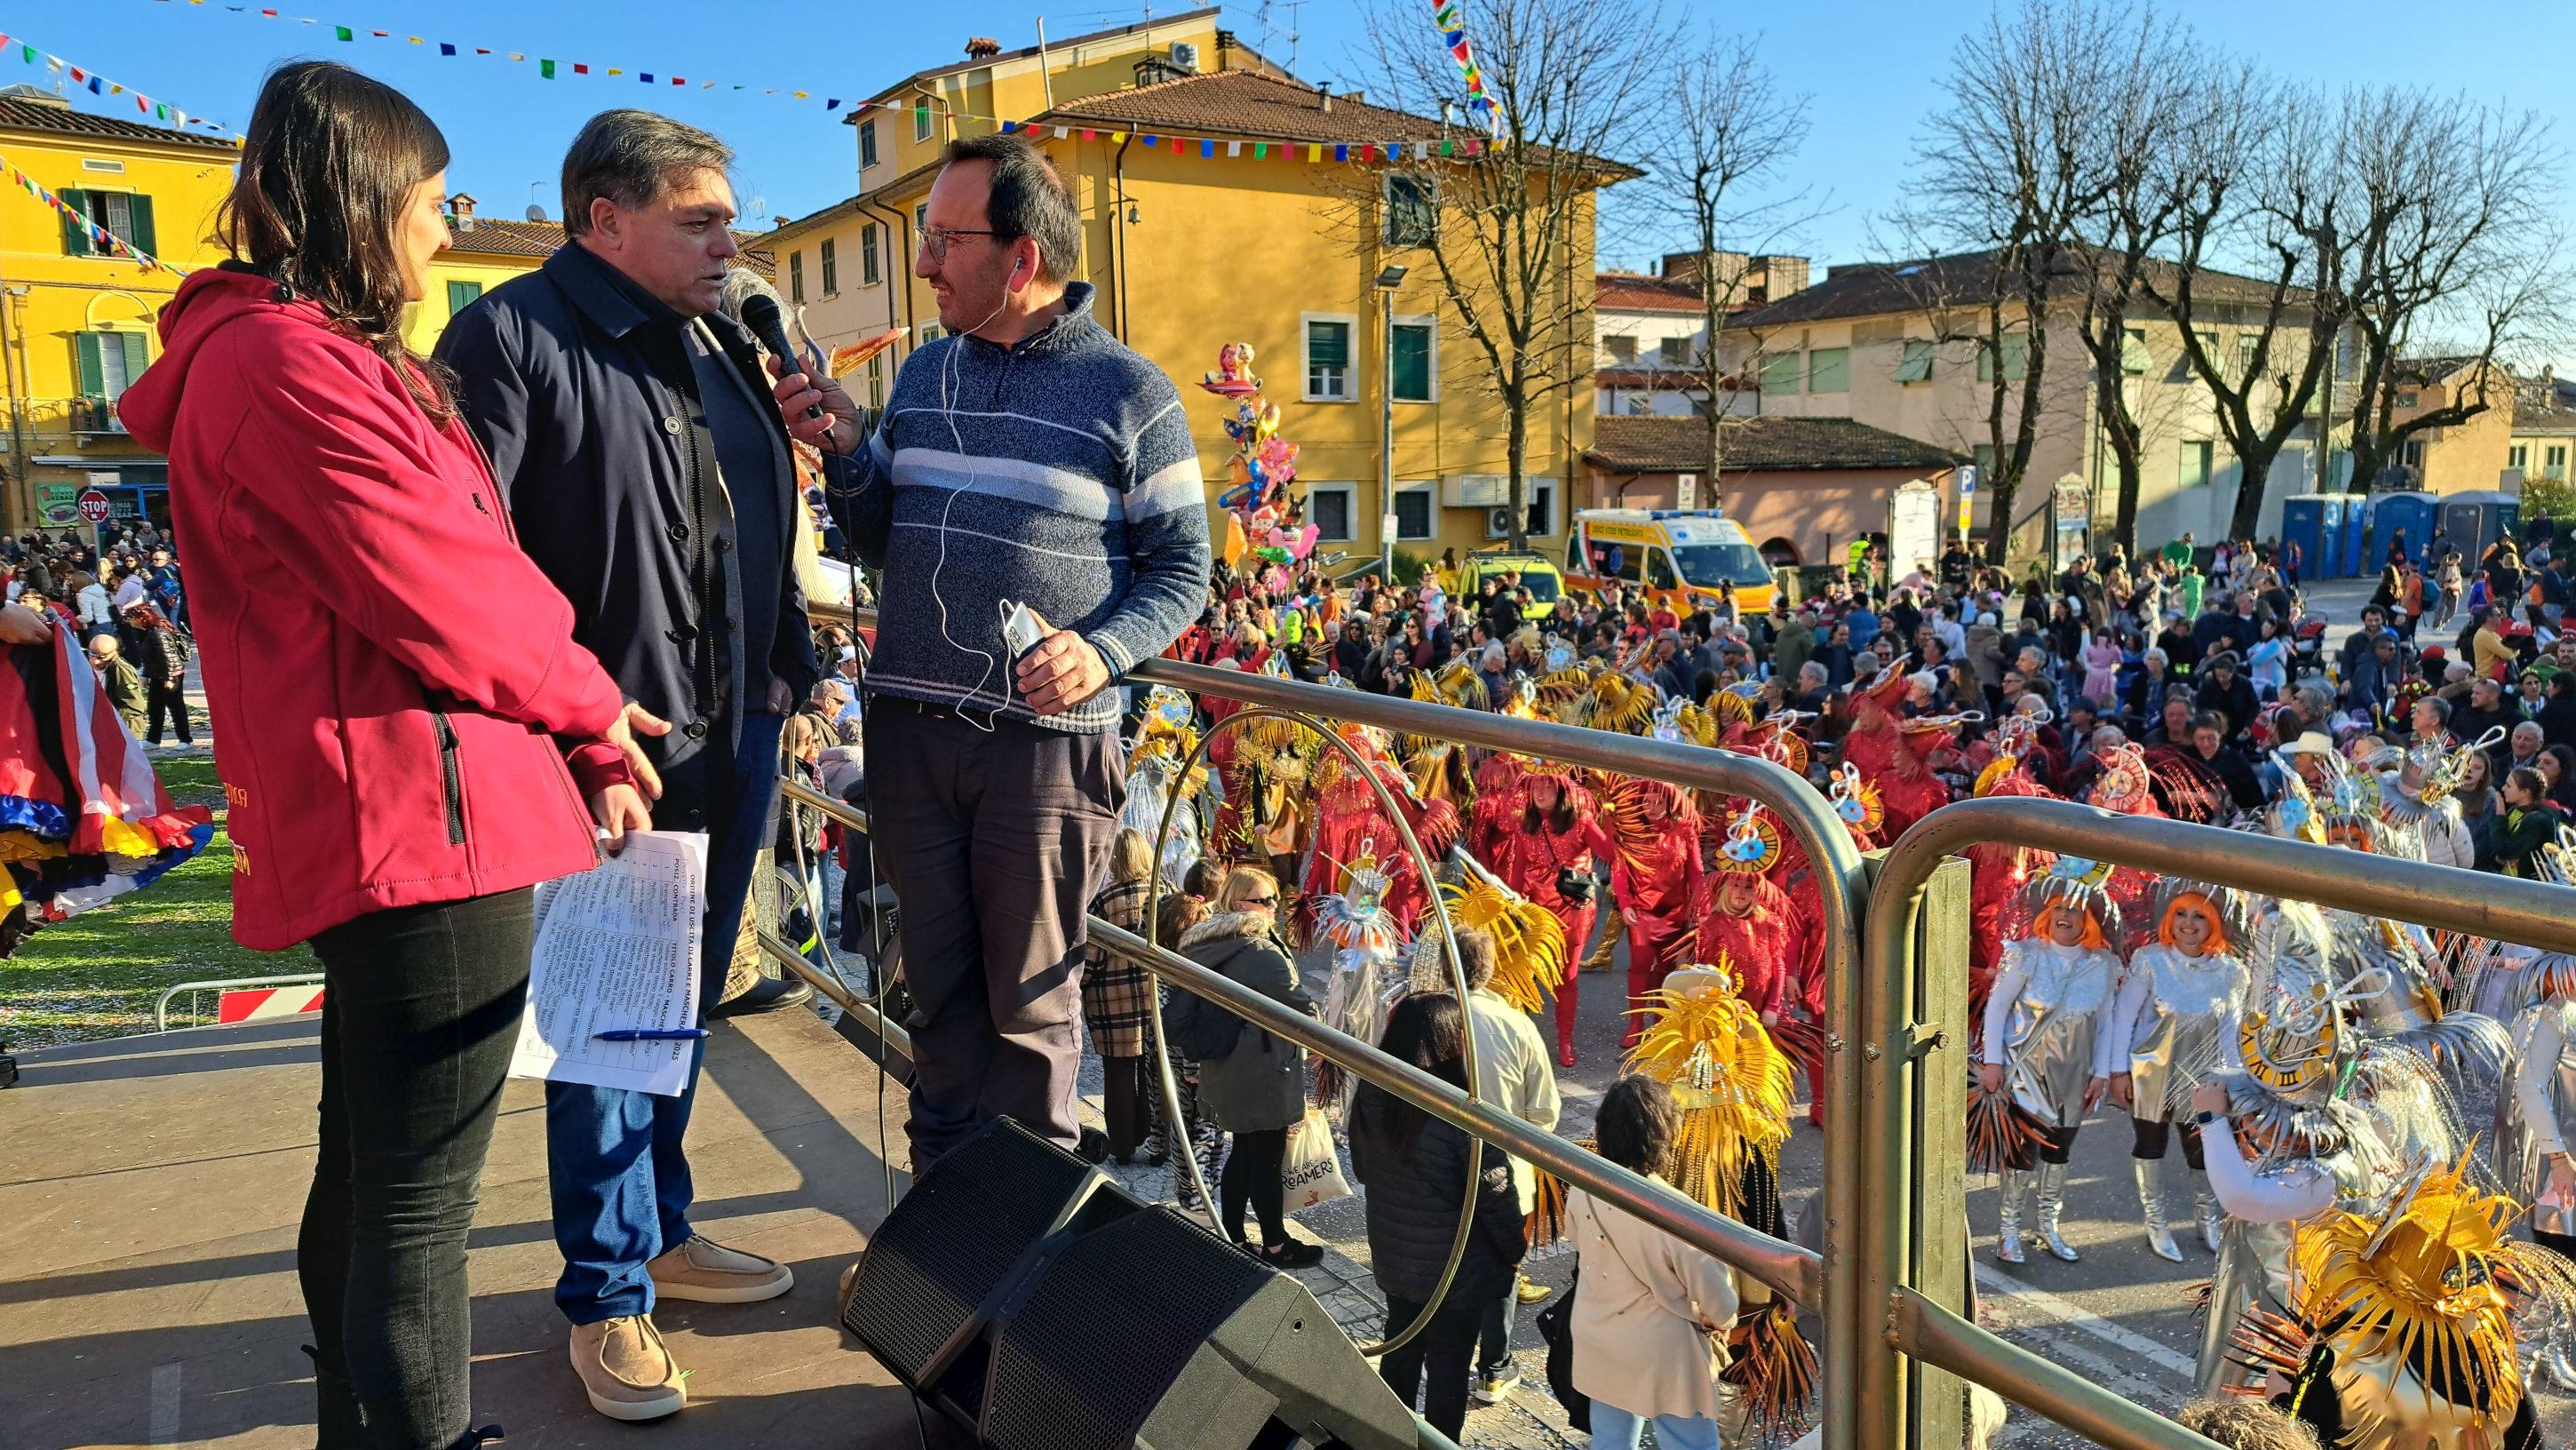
(2476, 519)
(2303, 522)
(2330, 530)
(2411, 514)
(2356, 536)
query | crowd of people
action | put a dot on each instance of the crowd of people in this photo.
(132, 614)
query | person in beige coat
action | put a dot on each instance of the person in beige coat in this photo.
(1650, 1312)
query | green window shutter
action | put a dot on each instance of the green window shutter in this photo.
(1412, 363)
(1328, 344)
(1781, 371)
(1829, 370)
(143, 240)
(1985, 360)
(2016, 357)
(75, 237)
(92, 368)
(461, 295)
(1917, 364)
(2134, 357)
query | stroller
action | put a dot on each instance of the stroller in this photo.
(2308, 649)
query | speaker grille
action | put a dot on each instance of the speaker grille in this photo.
(1060, 1383)
(952, 1239)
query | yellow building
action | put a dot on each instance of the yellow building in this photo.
(78, 321)
(1229, 237)
(2454, 457)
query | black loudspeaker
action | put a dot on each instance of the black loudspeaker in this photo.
(1035, 1305)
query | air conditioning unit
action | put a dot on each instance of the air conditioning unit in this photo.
(1498, 523)
(1186, 56)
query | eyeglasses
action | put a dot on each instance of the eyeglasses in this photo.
(935, 240)
(1261, 901)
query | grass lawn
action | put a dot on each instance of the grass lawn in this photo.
(97, 974)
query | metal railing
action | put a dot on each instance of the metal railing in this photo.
(161, 1005)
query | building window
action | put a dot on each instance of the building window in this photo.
(1984, 453)
(867, 144)
(107, 362)
(461, 295)
(2016, 353)
(126, 215)
(1412, 211)
(1781, 372)
(1622, 349)
(1413, 356)
(2134, 357)
(2412, 454)
(1329, 509)
(1916, 365)
(1637, 405)
(920, 218)
(1541, 519)
(831, 266)
(921, 118)
(2553, 462)
(1328, 357)
(868, 255)
(929, 332)
(876, 381)
(2406, 400)
(1413, 512)
(796, 276)
(2518, 456)
(2246, 342)
(1829, 370)
(1675, 352)
(2194, 469)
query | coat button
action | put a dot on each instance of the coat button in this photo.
(679, 533)
(695, 730)
(724, 546)
(732, 623)
(671, 426)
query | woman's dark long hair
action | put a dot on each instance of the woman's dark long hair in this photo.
(1429, 1032)
(331, 158)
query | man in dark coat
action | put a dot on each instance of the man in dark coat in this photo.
(634, 436)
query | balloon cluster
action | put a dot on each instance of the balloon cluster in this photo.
(1263, 518)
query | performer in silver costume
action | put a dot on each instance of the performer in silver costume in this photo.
(2044, 1038)
(2534, 1121)
(2178, 1005)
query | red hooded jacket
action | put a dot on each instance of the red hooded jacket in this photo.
(384, 665)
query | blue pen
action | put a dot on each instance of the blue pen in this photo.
(652, 1034)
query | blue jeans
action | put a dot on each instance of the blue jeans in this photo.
(1615, 1429)
(619, 1179)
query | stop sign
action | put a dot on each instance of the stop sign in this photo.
(93, 507)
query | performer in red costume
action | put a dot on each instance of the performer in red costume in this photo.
(2125, 784)
(1349, 822)
(1552, 842)
(1655, 882)
(1748, 923)
(1997, 870)
(1890, 757)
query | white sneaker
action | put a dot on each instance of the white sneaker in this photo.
(1495, 1391)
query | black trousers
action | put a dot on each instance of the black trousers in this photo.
(420, 1012)
(994, 840)
(1128, 1093)
(2152, 1139)
(1444, 1349)
(165, 700)
(2054, 1145)
(1252, 1175)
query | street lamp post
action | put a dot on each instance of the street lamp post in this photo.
(1388, 279)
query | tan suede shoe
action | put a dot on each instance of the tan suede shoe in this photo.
(626, 1369)
(710, 1273)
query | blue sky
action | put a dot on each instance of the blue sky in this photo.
(1874, 68)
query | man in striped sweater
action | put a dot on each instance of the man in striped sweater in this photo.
(1026, 457)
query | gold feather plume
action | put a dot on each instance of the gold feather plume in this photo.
(1732, 1083)
(1529, 956)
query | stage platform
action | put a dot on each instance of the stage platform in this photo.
(149, 1194)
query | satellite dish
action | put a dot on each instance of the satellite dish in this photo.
(536, 213)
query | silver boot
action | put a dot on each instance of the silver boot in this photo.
(2151, 1208)
(2205, 1211)
(2008, 1230)
(2052, 1198)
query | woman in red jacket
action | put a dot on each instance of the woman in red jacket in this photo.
(395, 687)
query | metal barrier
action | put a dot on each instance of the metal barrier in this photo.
(161, 1005)
(2528, 912)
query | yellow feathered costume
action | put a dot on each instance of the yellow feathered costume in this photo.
(1732, 1083)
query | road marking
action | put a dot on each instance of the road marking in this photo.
(165, 1403)
(2076, 1317)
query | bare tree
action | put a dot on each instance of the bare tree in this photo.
(1732, 131)
(1508, 230)
(2464, 249)
(2008, 169)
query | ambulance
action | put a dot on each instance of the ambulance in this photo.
(1680, 556)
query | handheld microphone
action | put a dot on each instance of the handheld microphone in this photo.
(754, 304)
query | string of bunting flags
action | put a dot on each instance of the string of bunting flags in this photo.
(1452, 23)
(1311, 151)
(99, 236)
(99, 85)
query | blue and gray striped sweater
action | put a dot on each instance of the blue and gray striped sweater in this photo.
(1058, 473)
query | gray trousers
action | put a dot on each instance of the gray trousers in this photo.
(994, 842)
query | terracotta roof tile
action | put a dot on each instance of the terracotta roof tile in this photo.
(1253, 106)
(24, 115)
(1633, 292)
(1757, 445)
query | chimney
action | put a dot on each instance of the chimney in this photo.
(982, 47)
(461, 207)
(1324, 97)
